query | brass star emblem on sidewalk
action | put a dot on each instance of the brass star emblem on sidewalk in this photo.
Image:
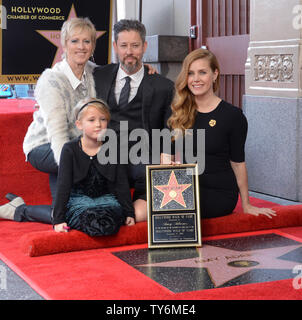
(224, 264)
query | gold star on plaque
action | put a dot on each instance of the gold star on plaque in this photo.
(173, 191)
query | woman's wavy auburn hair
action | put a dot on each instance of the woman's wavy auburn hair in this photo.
(184, 108)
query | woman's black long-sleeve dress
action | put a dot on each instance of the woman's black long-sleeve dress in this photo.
(225, 136)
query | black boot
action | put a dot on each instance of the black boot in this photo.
(40, 213)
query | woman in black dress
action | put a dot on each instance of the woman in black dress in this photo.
(196, 106)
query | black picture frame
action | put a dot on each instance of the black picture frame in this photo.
(173, 206)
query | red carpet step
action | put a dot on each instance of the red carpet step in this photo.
(21, 178)
(16, 175)
(49, 242)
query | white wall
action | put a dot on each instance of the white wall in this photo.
(127, 9)
(168, 17)
(161, 17)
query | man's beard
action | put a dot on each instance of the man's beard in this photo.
(130, 68)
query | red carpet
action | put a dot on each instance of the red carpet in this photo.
(97, 274)
(78, 273)
(16, 175)
(48, 242)
(42, 243)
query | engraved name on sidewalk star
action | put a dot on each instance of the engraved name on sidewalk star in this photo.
(173, 191)
(224, 265)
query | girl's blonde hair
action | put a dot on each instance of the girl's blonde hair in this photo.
(83, 104)
(184, 108)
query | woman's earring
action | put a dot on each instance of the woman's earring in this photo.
(92, 59)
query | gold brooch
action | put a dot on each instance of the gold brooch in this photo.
(212, 123)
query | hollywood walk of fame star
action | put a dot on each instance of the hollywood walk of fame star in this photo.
(224, 264)
(54, 36)
(173, 191)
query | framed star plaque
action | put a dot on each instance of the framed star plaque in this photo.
(173, 206)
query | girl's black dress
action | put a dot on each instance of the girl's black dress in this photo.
(92, 208)
(225, 136)
(91, 197)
